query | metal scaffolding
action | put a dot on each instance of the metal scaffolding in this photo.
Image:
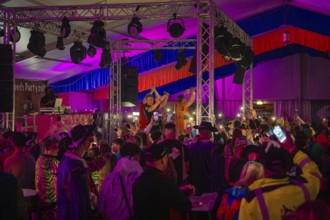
(247, 92)
(206, 13)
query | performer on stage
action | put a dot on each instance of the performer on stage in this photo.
(181, 110)
(149, 105)
(49, 99)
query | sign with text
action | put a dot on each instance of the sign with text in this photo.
(27, 95)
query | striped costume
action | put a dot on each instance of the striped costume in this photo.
(45, 179)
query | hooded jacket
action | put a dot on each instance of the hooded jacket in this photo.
(111, 199)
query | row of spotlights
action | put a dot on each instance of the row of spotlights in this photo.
(175, 26)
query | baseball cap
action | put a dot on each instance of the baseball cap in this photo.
(156, 151)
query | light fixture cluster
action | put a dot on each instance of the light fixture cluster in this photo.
(98, 38)
(231, 48)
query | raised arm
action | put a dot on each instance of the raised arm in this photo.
(157, 96)
(164, 102)
(154, 106)
(152, 90)
(191, 98)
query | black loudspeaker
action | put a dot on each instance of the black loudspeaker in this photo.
(6, 78)
(129, 86)
(239, 74)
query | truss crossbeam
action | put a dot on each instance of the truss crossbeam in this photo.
(184, 9)
(223, 20)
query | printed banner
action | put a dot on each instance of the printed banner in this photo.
(27, 95)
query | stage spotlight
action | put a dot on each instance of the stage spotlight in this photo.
(222, 41)
(158, 56)
(181, 61)
(239, 74)
(242, 65)
(60, 44)
(236, 50)
(77, 52)
(105, 58)
(247, 59)
(98, 35)
(91, 51)
(37, 43)
(134, 28)
(65, 27)
(17, 36)
(124, 60)
(175, 26)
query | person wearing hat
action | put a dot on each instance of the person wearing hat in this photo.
(200, 152)
(115, 198)
(46, 178)
(179, 153)
(276, 196)
(72, 178)
(181, 110)
(21, 164)
(155, 195)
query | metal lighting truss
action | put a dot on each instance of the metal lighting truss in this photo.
(236, 31)
(247, 94)
(205, 63)
(118, 47)
(232, 27)
(115, 115)
(205, 11)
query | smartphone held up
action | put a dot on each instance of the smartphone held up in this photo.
(279, 133)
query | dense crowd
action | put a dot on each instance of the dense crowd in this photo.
(150, 169)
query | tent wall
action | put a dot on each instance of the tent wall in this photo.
(289, 83)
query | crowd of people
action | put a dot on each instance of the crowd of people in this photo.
(151, 169)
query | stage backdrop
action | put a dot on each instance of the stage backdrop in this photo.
(27, 95)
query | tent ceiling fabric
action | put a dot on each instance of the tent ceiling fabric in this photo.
(53, 69)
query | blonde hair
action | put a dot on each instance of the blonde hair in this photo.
(251, 171)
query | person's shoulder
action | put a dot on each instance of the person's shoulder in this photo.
(7, 178)
(13, 158)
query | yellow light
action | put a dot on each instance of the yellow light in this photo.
(191, 118)
(220, 126)
(273, 118)
(220, 115)
(194, 113)
(168, 109)
(242, 108)
(260, 102)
